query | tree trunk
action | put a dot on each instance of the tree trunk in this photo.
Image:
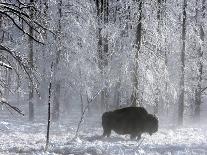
(117, 94)
(159, 48)
(136, 95)
(49, 104)
(1, 29)
(197, 103)
(18, 87)
(167, 102)
(44, 50)
(7, 79)
(182, 76)
(159, 8)
(159, 4)
(102, 15)
(198, 91)
(81, 91)
(56, 106)
(31, 49)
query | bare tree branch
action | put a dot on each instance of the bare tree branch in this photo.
(203, 89)
(14, 22)
(12, 53)
(12, 107)
(85, 109)
(12, 10)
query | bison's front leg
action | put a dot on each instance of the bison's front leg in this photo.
(107, 132)
(138, 136)
(133, 136)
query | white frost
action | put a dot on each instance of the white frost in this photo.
(29, 138)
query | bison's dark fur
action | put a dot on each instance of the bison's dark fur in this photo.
(130, 120)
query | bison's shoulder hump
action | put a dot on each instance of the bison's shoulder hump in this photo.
(131, 110)
(141, 110)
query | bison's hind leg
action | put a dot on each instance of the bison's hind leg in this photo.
(136, 136)
(132, 136)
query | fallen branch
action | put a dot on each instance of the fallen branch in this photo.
(140, 142)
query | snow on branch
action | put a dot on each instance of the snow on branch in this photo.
(21, 11)
(5, 65)
(21, 64)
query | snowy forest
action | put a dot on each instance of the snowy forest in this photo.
(64, 63)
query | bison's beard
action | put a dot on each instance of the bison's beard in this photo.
(151, 124)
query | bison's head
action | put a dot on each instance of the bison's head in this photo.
(106, 118)
(151, 124)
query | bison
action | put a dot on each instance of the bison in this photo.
(130, 120)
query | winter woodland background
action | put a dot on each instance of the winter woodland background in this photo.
(100, 55)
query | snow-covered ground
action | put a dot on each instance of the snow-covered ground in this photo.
(18, 136)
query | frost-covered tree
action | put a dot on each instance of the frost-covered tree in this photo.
(181, 99)
(135, 52)
(31, 64)
(25, 23)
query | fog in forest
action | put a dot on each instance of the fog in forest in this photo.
(103, 77)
